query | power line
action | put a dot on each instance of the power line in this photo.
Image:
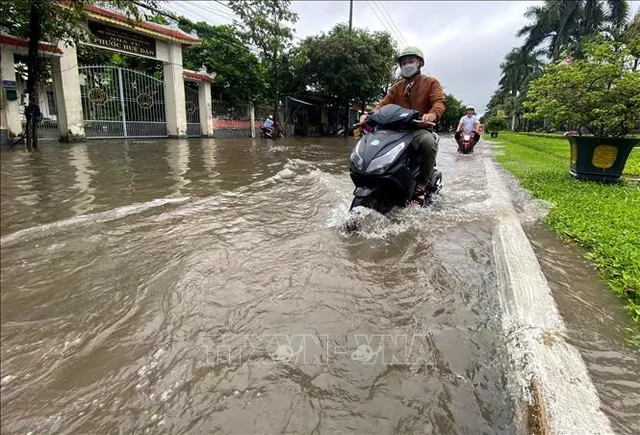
(186, 12)
(398, 36)
(393, 23)
(215, 11)
(384, 11)
(229, 7)
(391, 32)
(176, 18)
(253, 48)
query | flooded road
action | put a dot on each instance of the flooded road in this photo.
(206, 286)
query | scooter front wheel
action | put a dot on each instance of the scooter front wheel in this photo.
(435, 183)
(361, 202)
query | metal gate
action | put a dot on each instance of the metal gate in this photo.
(118, 102)
(48, 127)
(193, 111)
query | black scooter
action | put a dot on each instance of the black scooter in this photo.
(268, 133)
(384, 167)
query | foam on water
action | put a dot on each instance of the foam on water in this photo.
(93, 218)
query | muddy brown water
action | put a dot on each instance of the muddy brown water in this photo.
(208, 286)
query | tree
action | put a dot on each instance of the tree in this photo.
(55, 21)
(354, 66)
(239, 75)
(562, 25)
(495, 123)
(631, 36)
(600, 92)
(518, 68)
(455, 110)
(496, 101)
(265, 24)
(290, 66)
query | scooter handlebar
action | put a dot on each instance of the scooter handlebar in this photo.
(415, 121)
(420, 121)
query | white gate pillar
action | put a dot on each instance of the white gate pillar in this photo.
(66, 82)
(175, 102)
(9, 110)
(252, 118)
(205, 109)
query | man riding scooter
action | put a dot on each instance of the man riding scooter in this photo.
(268, 123)
(468, 124)
(425, 95)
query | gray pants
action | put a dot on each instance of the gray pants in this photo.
(425, 142)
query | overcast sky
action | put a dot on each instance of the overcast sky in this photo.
(463, 41)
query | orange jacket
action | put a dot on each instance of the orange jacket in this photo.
(426, 95)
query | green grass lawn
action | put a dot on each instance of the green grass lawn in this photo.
(605, 219)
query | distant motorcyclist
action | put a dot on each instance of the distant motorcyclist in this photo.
(268, 123)
(469, 124)
(421, 93)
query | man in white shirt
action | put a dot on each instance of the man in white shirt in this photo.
(268, 123)
(469, 124)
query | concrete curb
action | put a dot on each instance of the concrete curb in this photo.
(553, 377)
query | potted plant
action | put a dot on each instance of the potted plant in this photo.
(495, 124)
(599, 97)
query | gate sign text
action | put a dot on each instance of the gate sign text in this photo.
(120, 39)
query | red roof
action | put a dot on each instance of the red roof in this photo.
(159, 28)
(198, 76)
(22, 42)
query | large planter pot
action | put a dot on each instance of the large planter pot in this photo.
(494, 134)
(599, 158)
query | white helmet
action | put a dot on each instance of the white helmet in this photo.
(270, 116)
(470, 108)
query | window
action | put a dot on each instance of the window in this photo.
(51, 101)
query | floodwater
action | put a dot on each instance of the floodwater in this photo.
(208, 286)
(596, 322)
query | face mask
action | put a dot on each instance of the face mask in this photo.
(409, 70)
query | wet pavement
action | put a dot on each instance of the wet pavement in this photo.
(208, 286)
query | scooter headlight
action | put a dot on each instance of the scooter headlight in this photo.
(355, 158)
(380, 164)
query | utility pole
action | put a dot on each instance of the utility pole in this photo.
(347, 126)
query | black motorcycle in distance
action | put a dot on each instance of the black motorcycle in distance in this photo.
(268, 133)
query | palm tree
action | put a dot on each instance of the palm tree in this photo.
(518, 68)
(554, 23)
(632, 30)
(561, 24)
(631, 36)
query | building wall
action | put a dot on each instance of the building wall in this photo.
(234, 127)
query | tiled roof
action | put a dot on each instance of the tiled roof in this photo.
(22, 42)
(98, 12)
(197, 75)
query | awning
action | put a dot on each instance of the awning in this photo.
(300, 101)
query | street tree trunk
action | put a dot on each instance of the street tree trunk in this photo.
(276, 109)
(32, 111)
(514, 114)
